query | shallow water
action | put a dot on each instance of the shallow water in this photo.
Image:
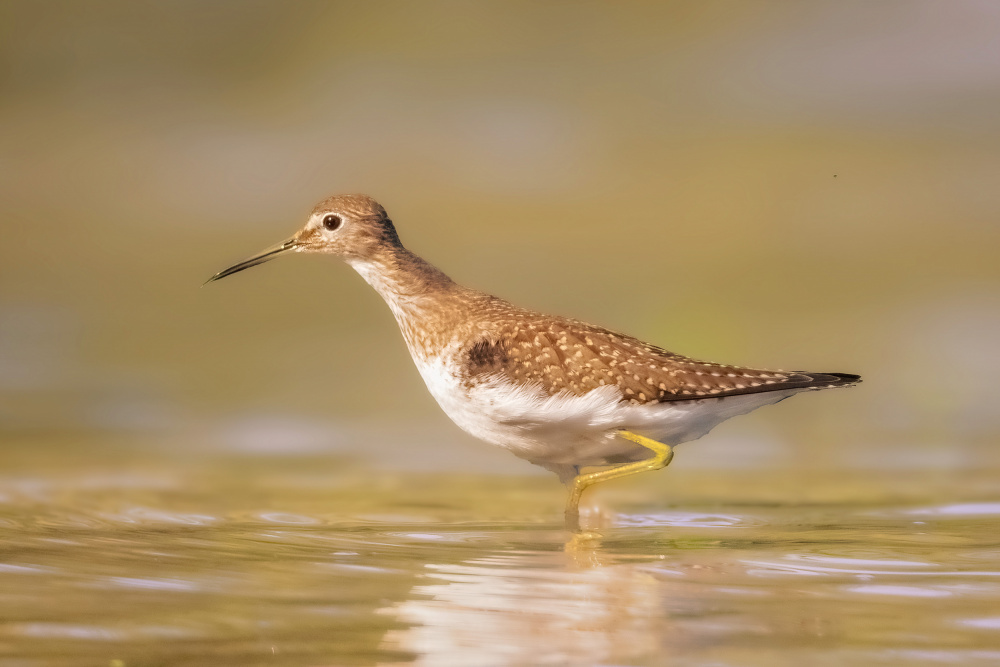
(109, 558)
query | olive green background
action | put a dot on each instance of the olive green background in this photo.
(794, 185)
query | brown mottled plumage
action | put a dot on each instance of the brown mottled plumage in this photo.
(563, 355)
(555, 391)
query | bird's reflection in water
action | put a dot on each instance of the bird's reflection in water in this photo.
(574, 607)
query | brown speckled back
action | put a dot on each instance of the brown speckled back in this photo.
(564, 355)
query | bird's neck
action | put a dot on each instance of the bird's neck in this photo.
(402, 277)
(425, 301)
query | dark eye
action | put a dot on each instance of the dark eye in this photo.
(331, 222)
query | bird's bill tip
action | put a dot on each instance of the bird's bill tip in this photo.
(259, 258)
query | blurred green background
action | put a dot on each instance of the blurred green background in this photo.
(796, 185)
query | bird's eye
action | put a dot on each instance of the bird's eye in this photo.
(331, 222)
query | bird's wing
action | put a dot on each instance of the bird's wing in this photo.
(562, 355)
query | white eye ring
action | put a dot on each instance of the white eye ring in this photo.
(332, 221)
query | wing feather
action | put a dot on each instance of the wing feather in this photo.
(563, 355)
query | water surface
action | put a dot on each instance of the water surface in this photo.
(109, 558)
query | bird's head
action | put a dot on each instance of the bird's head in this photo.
(354, 227)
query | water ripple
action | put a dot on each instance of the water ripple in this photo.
(138, 583)
(813, 565)
(44, 630)
(141, 516)
(957, 510)
(288, 519)
(905, 591)
(981, 623)
(687, 520)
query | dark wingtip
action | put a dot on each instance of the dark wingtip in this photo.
(830, 380)
(845, 378)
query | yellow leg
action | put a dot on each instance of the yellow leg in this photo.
(661, 459)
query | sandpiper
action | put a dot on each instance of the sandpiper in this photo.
(560, 393)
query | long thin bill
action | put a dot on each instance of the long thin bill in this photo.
(265, 256)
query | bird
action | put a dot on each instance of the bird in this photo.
(557, 392)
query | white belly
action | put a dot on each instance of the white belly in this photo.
(566, 430)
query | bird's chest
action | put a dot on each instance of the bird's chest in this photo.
(464, 404)
(521, 418)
